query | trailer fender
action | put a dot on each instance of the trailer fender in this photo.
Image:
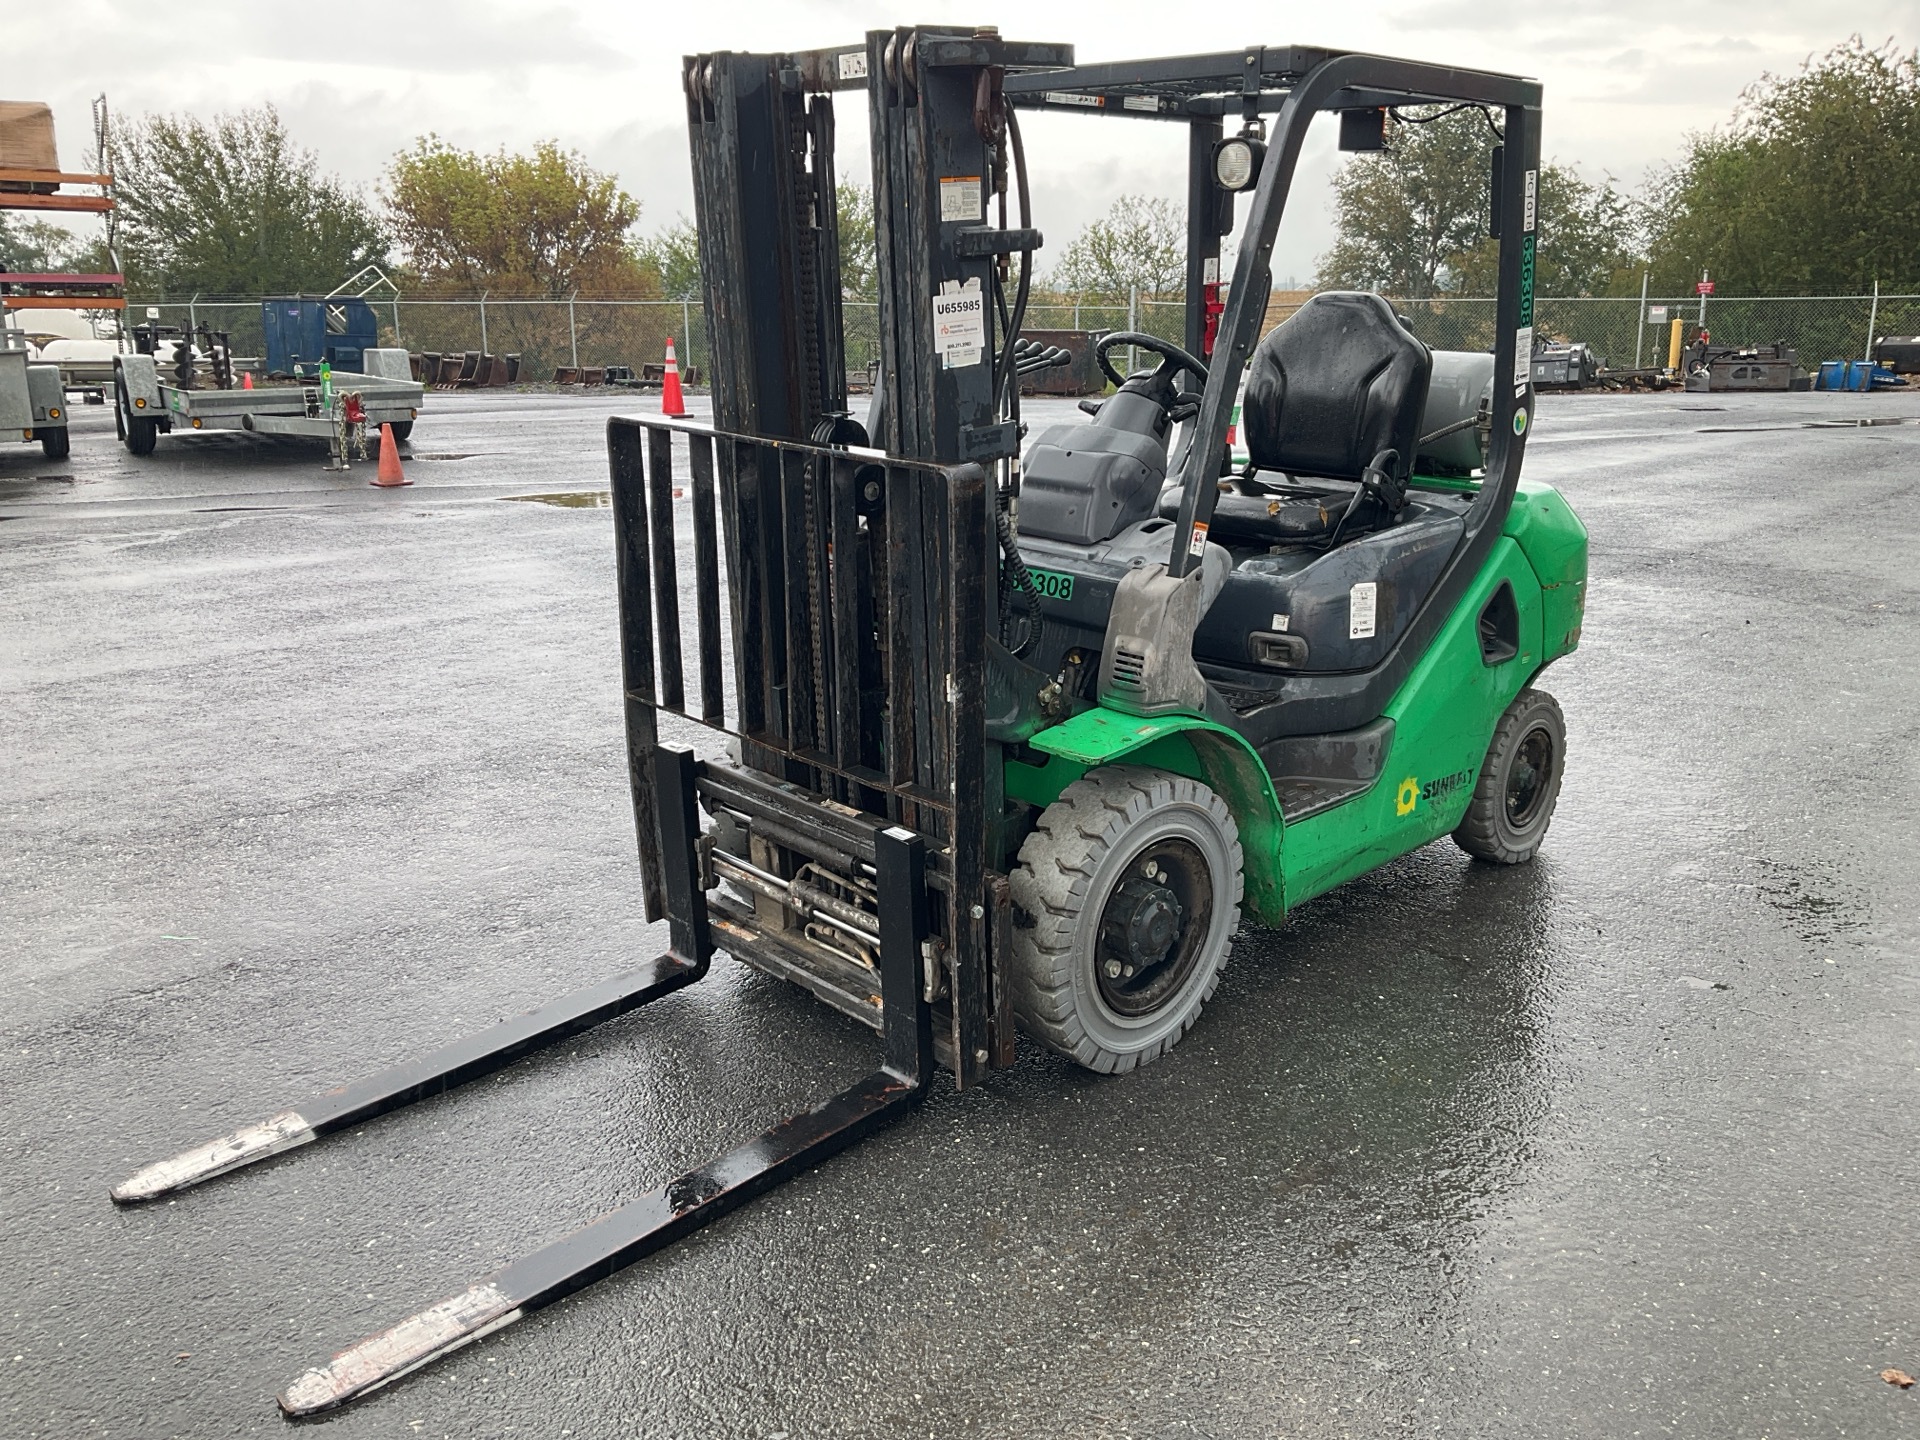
(141, 379)
(1184, 745)
(47, 396)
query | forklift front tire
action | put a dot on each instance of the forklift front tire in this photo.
(1132, 884)
(1519, 783)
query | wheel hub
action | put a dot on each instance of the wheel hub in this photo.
(1527, 778)
(1143, 921)
(1152, 927)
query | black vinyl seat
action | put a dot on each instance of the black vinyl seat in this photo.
(1336, 390)
(1331, 559)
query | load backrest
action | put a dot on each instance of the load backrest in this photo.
(1333, 385)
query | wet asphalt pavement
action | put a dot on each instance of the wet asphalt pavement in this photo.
(302, 778)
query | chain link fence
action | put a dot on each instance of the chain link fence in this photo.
(548, 334)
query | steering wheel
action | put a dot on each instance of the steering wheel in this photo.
(1172, 358)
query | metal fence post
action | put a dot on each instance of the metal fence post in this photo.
(483, 322)
(573, 331)
(1640, 322)
(193, 323)
(686, 326)
(1873, 321)
(396, 318)
(1076, 312)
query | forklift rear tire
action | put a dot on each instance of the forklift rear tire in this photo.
(1519, 783)
(1132, 884)
(55, 442)
(142, 435)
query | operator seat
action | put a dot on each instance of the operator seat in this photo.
(1331, 557)
(1335, 391)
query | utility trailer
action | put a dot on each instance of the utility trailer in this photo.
(151, 401)
(33, 402)
(1017, 726)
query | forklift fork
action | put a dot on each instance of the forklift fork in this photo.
(654, 1220)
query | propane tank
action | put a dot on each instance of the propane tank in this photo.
(1461, 390)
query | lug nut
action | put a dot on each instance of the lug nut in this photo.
(1113, 969)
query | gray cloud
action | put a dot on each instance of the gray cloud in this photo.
(1624, 84)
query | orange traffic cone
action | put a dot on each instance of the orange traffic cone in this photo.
(389, 472)
(246, 379)
(672, 402)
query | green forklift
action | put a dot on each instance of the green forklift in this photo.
(1005, 728)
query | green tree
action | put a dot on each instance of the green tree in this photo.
(40, 245)
(1588, 242)
(859, 249)
(231, 206)
(1813, 188)
(1141, 241)
(1413, 219)
(674, 257)
(543, 224)
(1407, 213)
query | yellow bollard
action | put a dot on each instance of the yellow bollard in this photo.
(1673, 347)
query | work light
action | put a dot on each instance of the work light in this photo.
(1236, 162)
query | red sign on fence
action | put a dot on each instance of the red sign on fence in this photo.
(1705, 287)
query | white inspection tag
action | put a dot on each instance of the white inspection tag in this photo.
(1362, 601)
(853, 65)
(1523, 355)
(1280, 622)
(960, 198)
(1141, 102)
(959, 324)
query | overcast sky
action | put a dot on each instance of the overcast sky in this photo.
(1625, 79)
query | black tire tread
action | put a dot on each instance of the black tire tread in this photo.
(1057, 866)
(1480, 832)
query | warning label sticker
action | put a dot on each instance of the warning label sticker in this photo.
(1362, 601)
(1198, 545)
(959, 323)
(960, 198)
(853, 65)
(1523, 355)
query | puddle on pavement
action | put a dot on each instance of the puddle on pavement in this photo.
(1862, 424)
(571, 499)
(1814, 902)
